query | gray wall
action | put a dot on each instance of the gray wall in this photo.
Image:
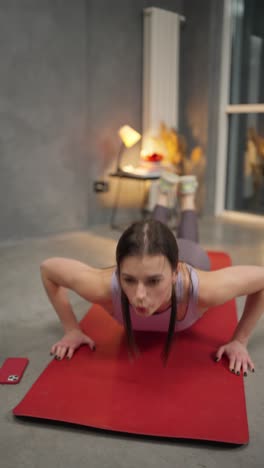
(70, 75)
(43, 88)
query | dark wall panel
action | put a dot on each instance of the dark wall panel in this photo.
(200, 83)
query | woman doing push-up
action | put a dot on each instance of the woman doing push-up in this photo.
(159, 283)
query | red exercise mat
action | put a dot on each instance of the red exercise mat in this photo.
(193, 397)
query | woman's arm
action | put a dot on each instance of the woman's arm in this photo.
(254, 308)
(222, 285)
(60, 275)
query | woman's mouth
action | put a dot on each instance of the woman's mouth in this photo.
(141, 310)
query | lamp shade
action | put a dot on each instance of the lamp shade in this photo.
(129, 136)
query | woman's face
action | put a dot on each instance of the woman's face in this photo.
(147, 282)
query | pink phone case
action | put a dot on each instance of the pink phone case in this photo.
(12, 370)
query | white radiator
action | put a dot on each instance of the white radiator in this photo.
(160, 70)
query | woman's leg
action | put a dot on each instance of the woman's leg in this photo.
(167, 188)
(161, 210)
(185, 188)
(189, 249)
(188, 226)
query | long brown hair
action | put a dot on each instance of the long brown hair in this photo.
(149, 237)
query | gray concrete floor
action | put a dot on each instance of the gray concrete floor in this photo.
(29, 328)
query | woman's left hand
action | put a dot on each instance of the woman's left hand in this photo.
(239, 359)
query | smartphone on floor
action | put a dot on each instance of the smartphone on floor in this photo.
(12, 370)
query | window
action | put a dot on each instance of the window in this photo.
(242, 121)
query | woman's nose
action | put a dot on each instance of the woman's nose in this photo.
(141, 291)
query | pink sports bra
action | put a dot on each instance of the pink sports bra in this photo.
(159, 322)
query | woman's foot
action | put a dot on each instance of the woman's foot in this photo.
(187, 185)
(168, 185)
(172, 186)
(186, 190)
(168, 181)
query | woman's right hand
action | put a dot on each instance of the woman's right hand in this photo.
(71, 341)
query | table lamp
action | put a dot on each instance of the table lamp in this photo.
(129, 137)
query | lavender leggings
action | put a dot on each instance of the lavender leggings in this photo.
(187, 237)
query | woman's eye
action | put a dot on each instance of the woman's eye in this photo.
(153, 282)
(129, 280)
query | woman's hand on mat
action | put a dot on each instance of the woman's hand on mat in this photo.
(71, 341)
(239, 359)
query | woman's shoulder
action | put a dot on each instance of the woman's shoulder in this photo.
(93, 283)
(194, 284)
(107, 279)
(187, 283)
(106, 276)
